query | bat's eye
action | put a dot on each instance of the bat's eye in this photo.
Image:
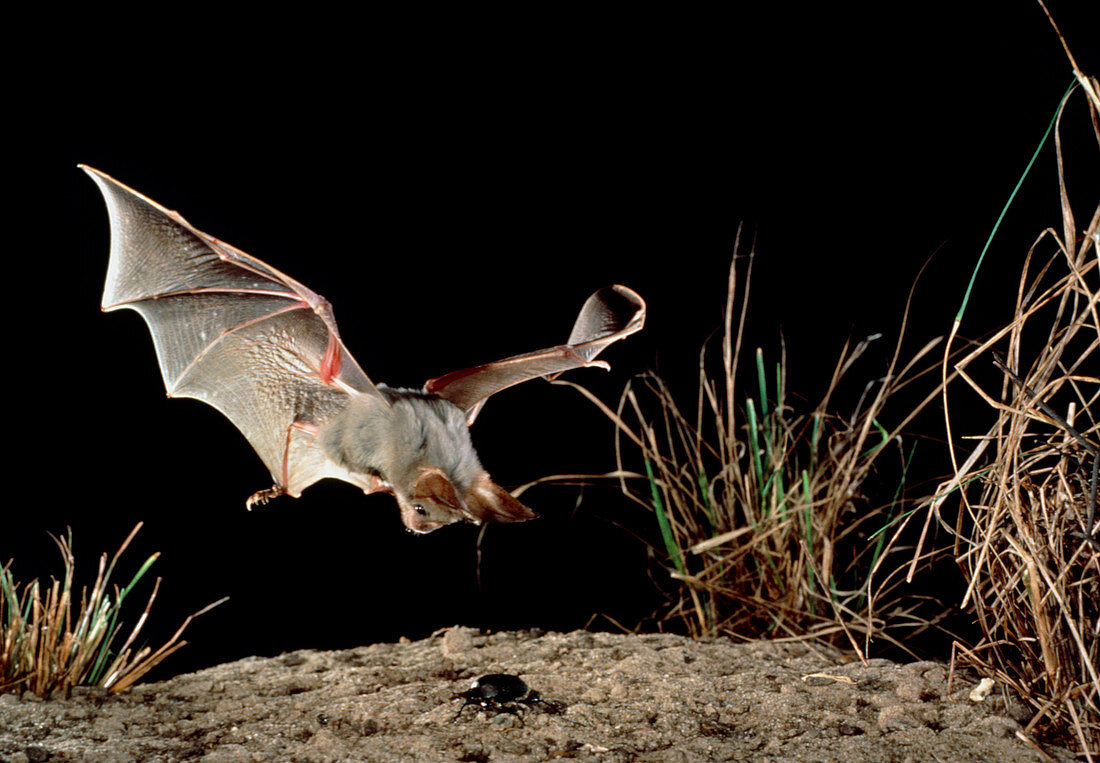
(420, 510)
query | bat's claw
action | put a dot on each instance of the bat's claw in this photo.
(260, 497)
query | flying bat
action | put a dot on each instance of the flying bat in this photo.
(263, 349)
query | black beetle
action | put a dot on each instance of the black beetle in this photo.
(503, 693)
(496, 689)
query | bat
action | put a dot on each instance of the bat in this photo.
(263, 349)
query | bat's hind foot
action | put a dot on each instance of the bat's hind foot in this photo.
(260, 497)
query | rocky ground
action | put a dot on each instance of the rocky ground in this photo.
(603, 697)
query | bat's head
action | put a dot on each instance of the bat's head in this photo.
(434, 502)
(431, 503)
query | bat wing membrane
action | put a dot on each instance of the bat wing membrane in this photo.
(608, 315)
(233, 332)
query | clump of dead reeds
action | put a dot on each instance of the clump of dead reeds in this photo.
(44, 649)
(761, 509)
(1024, 536)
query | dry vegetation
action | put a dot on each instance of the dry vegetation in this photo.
(766, 524)
(45, 650)
(761, 508)
(1023, 527)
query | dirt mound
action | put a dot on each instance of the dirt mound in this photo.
(603, 697)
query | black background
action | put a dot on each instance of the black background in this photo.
(456, 183)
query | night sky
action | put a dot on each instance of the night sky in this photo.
(456, 185)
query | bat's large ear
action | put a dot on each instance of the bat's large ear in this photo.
(607, 316)
(489, 502)
(433, 484)
(432, 503)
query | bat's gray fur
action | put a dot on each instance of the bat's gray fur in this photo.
(416, 431)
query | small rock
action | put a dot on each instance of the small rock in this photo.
(982, 690)
(594, 695)
(457, 640)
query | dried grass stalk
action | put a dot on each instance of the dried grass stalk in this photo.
(44, 649)
(1025, 536)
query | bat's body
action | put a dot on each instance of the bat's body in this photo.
(422, 437)
(264, 350)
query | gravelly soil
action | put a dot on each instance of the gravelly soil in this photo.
(607, 698)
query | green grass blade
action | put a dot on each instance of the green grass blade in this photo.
(761, 382)
(665, 526)
(881, 443)
(104, 653)
(708, 508)
(779, 387)
(754, 443)
(808, 521)
(1011, 198)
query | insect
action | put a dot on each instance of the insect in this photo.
(503, 693)
(263, 349)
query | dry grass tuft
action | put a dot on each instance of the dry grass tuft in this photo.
(1025, 537)
(761, 509)
(45, 650)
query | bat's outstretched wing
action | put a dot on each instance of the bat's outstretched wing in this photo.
(610, 314)
(233, 332)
